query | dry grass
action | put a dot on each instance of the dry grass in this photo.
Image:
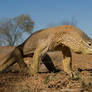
(15, 81)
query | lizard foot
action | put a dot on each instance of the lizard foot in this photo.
(25, 70)
(33, 70)
(74, 75)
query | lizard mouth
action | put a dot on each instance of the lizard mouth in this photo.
(90, 52)
(78, 52)
(87, 51)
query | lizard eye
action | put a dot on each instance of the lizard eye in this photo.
(89, 44)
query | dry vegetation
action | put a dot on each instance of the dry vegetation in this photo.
(15, 81)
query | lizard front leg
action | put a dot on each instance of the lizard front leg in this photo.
(67, 59)
(67, 62)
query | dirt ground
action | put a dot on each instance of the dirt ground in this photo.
(15, 81)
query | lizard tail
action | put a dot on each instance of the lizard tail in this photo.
(6, 62)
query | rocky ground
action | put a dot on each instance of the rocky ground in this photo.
(15, 81)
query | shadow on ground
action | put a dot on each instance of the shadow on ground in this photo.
(51, 77)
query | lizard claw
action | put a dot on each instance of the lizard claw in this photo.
(74, 74)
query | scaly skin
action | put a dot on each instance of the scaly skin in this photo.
(63, 38)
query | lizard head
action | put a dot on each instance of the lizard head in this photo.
(77, 41)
